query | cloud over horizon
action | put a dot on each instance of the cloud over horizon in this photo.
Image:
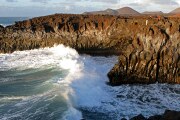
(40, 1)
(11, 0)
(44, 7)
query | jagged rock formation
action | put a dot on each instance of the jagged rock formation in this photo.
(148, 52)
(151, 56)
(168, 115)
(82, 32)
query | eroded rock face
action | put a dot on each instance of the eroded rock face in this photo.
(152, 56)
(81, 32)
(149, 50)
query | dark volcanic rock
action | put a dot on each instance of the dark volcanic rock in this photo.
(168, 115)
(171, 115)
(1, 27)
(139, 117)
(147, 53)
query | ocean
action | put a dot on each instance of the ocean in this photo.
(59, 84)
(5, 21)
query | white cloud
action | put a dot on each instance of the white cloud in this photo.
(67, 8)
(151, 5)
(105, 1)
(40, 1)
(11, 0)
(80, 6)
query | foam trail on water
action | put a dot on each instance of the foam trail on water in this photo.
(4, 25)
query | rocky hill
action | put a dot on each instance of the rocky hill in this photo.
(105, 12)
(176, 11)
(128, 11)
(148, 53)
(122, 11)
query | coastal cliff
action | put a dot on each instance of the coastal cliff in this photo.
(148, 48)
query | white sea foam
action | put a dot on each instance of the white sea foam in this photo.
(12, 98)
(90, 92)
(4, 25)
(72, 114)
(58, 56)
(85, 86)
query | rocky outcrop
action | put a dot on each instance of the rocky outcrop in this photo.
(168, 115)
(149, 50)
(149, 57)
(82, 32)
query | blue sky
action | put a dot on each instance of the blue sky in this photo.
(32, 8)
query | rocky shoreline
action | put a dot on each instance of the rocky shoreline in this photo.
(148, 48)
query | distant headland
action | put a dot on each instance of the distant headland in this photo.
(127, 11)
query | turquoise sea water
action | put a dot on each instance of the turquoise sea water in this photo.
(59, 84)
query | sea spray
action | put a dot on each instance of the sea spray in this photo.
(58, 83)
(98, 100)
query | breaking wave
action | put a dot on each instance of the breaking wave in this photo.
(58, 83)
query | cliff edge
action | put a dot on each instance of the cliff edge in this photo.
(148, 48)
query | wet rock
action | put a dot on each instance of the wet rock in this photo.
(139, 117)
(155, 117)
(171, 115)
(168, 115)
(1, 26)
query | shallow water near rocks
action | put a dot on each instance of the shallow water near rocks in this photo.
(58, 83)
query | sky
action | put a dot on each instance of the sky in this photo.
(31, 8)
